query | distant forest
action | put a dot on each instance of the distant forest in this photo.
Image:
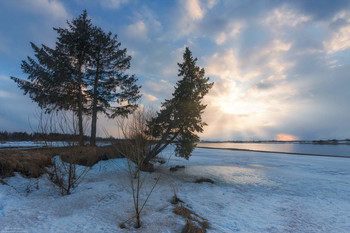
(24, 136)
(325, 142)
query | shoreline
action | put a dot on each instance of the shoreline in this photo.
(275, 152)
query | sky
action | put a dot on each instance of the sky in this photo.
(281, 69)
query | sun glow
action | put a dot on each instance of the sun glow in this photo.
(234, 107)
(235, 100)
(286, 137)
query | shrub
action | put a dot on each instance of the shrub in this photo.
(175, 200)
(202, 179)
(194, 222)
(191, 227)
(177, 167)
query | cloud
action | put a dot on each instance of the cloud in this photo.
(30, 21)
(138, 30)
(193, 9)
(340, 38)
(267, 63)
(279, 67)
(150, 98)
(321, 10)
(4, 78)
(188, 14)
(211, 3)
(285, 16)
(251, 91)
(145, 25)
(158, 87)
(286, 137)
(114, 4)
(49, 8)
(6, 94)
(232, 30)
(225, 65)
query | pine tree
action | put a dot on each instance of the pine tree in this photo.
(108, 83)
(74, 44)
(56, 77)
(180, 119)
(83, 73)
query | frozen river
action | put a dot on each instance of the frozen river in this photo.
(265, 192)
(328, 149)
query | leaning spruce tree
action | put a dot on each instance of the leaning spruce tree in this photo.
(83, 74)
(180, 119)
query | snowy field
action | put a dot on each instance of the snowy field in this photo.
(32, 144)
(25, 144)
(253, 192)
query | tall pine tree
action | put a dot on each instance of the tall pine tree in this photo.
(113, 92)
(74, 44)
(180, 119)
(56, 77)
(83, 73)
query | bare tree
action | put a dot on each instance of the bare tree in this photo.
(64, 172)
(134, 147)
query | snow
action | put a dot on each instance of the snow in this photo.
(32, 144)
(253, 192)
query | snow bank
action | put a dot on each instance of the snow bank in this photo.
(253, 192)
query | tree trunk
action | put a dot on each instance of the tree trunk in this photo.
(93, 127)
(81, 130)
(94, 111)
(138, 221)
(80, 113)
(160, 145)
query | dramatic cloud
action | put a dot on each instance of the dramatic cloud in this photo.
(281, 68)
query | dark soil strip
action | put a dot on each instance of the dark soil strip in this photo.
(276, 152)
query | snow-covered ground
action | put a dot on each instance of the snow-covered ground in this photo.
(24, 144)
(31, 144)
(253, 192)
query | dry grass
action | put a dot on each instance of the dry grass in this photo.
(88, 155)
(31, 163)
(201, 180)
(177, 167)
(195, 223)
(191, 227)
(28, 163)
(175, 200)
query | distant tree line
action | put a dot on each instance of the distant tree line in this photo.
(36, 136)
(330, 141)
